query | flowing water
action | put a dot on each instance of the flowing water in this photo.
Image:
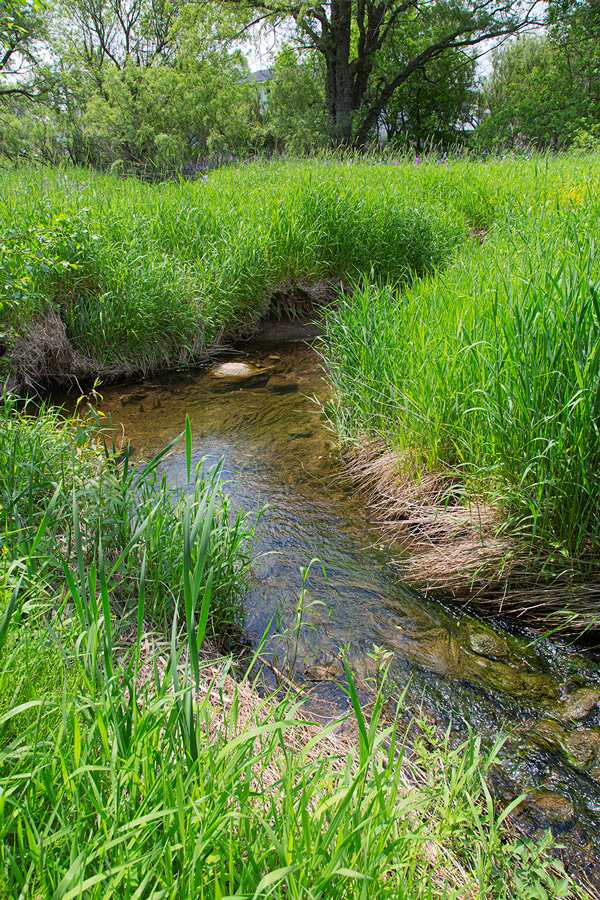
(277, 455)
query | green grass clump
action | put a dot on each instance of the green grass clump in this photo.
(470, 344)
(489, 369)
(127, 774)
(66, 501)
(144, 276)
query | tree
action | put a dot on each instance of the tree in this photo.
(295, 113)
(22, 27)
(525, 97)
(147, 84)
(433, 105)
(349, 35)
(544, 90)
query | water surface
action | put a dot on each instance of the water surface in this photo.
(278, 455)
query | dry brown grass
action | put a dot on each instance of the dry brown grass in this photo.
(453, 543)
(43, 354)
(236, 707)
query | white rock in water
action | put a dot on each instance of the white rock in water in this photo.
(234, 370)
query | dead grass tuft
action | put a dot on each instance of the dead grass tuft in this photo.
(43, 354)
(303, 298)
(454, 543)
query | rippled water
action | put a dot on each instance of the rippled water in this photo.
(277, 454)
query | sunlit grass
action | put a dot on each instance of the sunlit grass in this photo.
(144, 276)
(470, 342)
(128, 769)
(489, 368)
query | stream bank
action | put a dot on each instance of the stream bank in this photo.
(487, 676)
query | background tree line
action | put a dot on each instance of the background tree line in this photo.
(159, 85)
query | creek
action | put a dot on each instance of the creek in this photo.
(486, 675)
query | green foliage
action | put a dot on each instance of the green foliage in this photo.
(486, 364)
(161, 118)
(431, 107)
(108, 516)
(294, 109)
(544, 89)
(160, 270)
(137, 776)
(130, 771)
(490, 369)
(21, 26)
(40, 263)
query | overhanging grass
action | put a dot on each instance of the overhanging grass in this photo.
(471, 347)
(144, 276)
(488, 372)
(108, 515)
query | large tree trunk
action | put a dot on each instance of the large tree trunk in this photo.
(339, 88)
(349, 34)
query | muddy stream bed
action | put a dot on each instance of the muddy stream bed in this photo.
(491, 677)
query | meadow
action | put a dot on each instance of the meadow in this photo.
(461, 342)
(461, 317)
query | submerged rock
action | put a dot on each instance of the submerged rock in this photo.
(230, 372)
(133, 397)
(581, 749)
(234, 370)
(485, 642)
(322, 673)
(281, 384)
(549, 809)
(579, 705)
(584, 747)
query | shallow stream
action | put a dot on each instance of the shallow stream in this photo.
(277, 454)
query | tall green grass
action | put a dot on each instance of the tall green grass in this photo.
(470, 344)
(490, 369)
(107, 515)
(125, 773)
(144, 276)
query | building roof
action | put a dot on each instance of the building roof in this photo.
(261, 75)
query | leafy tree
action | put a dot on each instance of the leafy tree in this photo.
(166, 116)
(543, 91)
(434, 104)
(295, 114)
(22, 27)
(147, 84)
(349, 35)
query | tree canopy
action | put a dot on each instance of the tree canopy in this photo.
(544, 90)
(159, 84)
(22, 27)
(350, 35)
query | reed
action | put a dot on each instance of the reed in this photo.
(465, 336)
(486, 376)
(146, 276)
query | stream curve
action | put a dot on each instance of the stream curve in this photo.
(489, 676)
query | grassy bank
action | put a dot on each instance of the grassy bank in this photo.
(130, 769)
(483, 382)
(117, 276)
(465, 345)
